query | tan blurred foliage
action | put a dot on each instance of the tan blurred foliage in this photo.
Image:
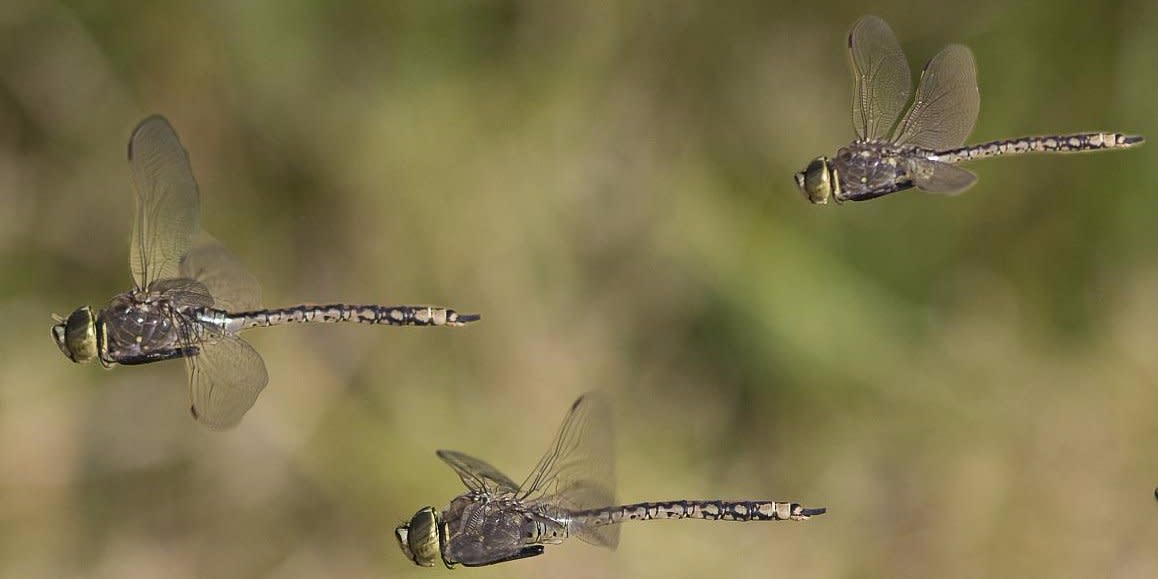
(968, 384)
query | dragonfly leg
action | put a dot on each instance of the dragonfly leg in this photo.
(159, 356)
(525, 552)
(879, 191)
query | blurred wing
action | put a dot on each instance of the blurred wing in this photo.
(167, 201)
(881, 78)
(225, 378)
(946, 104)
(937, 177)
(233, 288)
(182, 292)
(578, 472)
(478, 475)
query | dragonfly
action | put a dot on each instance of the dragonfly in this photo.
(192, 296)
(570, 493)
(922, 149)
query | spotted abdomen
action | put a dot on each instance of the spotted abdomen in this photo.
(708, 510)
(1073, 143)
(359, 314)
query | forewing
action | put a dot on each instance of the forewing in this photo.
(225, 378)
(478, 475)
(182, 292)
(937, 177)
(881, 78)
(947, 102)
(233, 288)
(578, 472)
(167, 201)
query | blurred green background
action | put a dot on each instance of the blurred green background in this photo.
(968, 384)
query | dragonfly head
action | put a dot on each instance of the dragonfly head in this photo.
(420, 538)
(817, 181)
(77, 336)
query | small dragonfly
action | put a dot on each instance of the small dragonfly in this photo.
(571, 493)
(925, 146)
(192, 296)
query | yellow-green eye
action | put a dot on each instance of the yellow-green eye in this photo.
(419, 538)
(77, 337)
(815, 181)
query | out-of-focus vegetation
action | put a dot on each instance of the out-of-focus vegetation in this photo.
(967, 383)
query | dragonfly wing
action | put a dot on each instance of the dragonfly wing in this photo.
(233, 288)
(578, 472)
(937, 177)
(182, 292)
(478, 475)
(167, 201)
(881, 78)
(947, 102)
(225, 378)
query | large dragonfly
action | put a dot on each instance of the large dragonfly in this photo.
(924, 147)
(192, 296)
(571, 493)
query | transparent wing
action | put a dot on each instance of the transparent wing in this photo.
(937, 177)
(233, 288)
(478, 475)
(578, 472)
(946, 104)
(881, 78)
(180, 292)
(225, 378)
(167, 201)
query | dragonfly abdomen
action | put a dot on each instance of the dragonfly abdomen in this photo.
(359, 314)
(708, 510)
(1073, 143)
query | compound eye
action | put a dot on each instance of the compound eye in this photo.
(419, 538)
(817, 184)
(76, 336)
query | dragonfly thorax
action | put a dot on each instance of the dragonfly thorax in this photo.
(76, 336)
(136, 326)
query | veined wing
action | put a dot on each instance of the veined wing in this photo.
(946, 104)
(181, 292)
(937, 177)
(478, 475)
(578, 472)
(233, 288)
(881, 78)
(167, 201)
(225, 378)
